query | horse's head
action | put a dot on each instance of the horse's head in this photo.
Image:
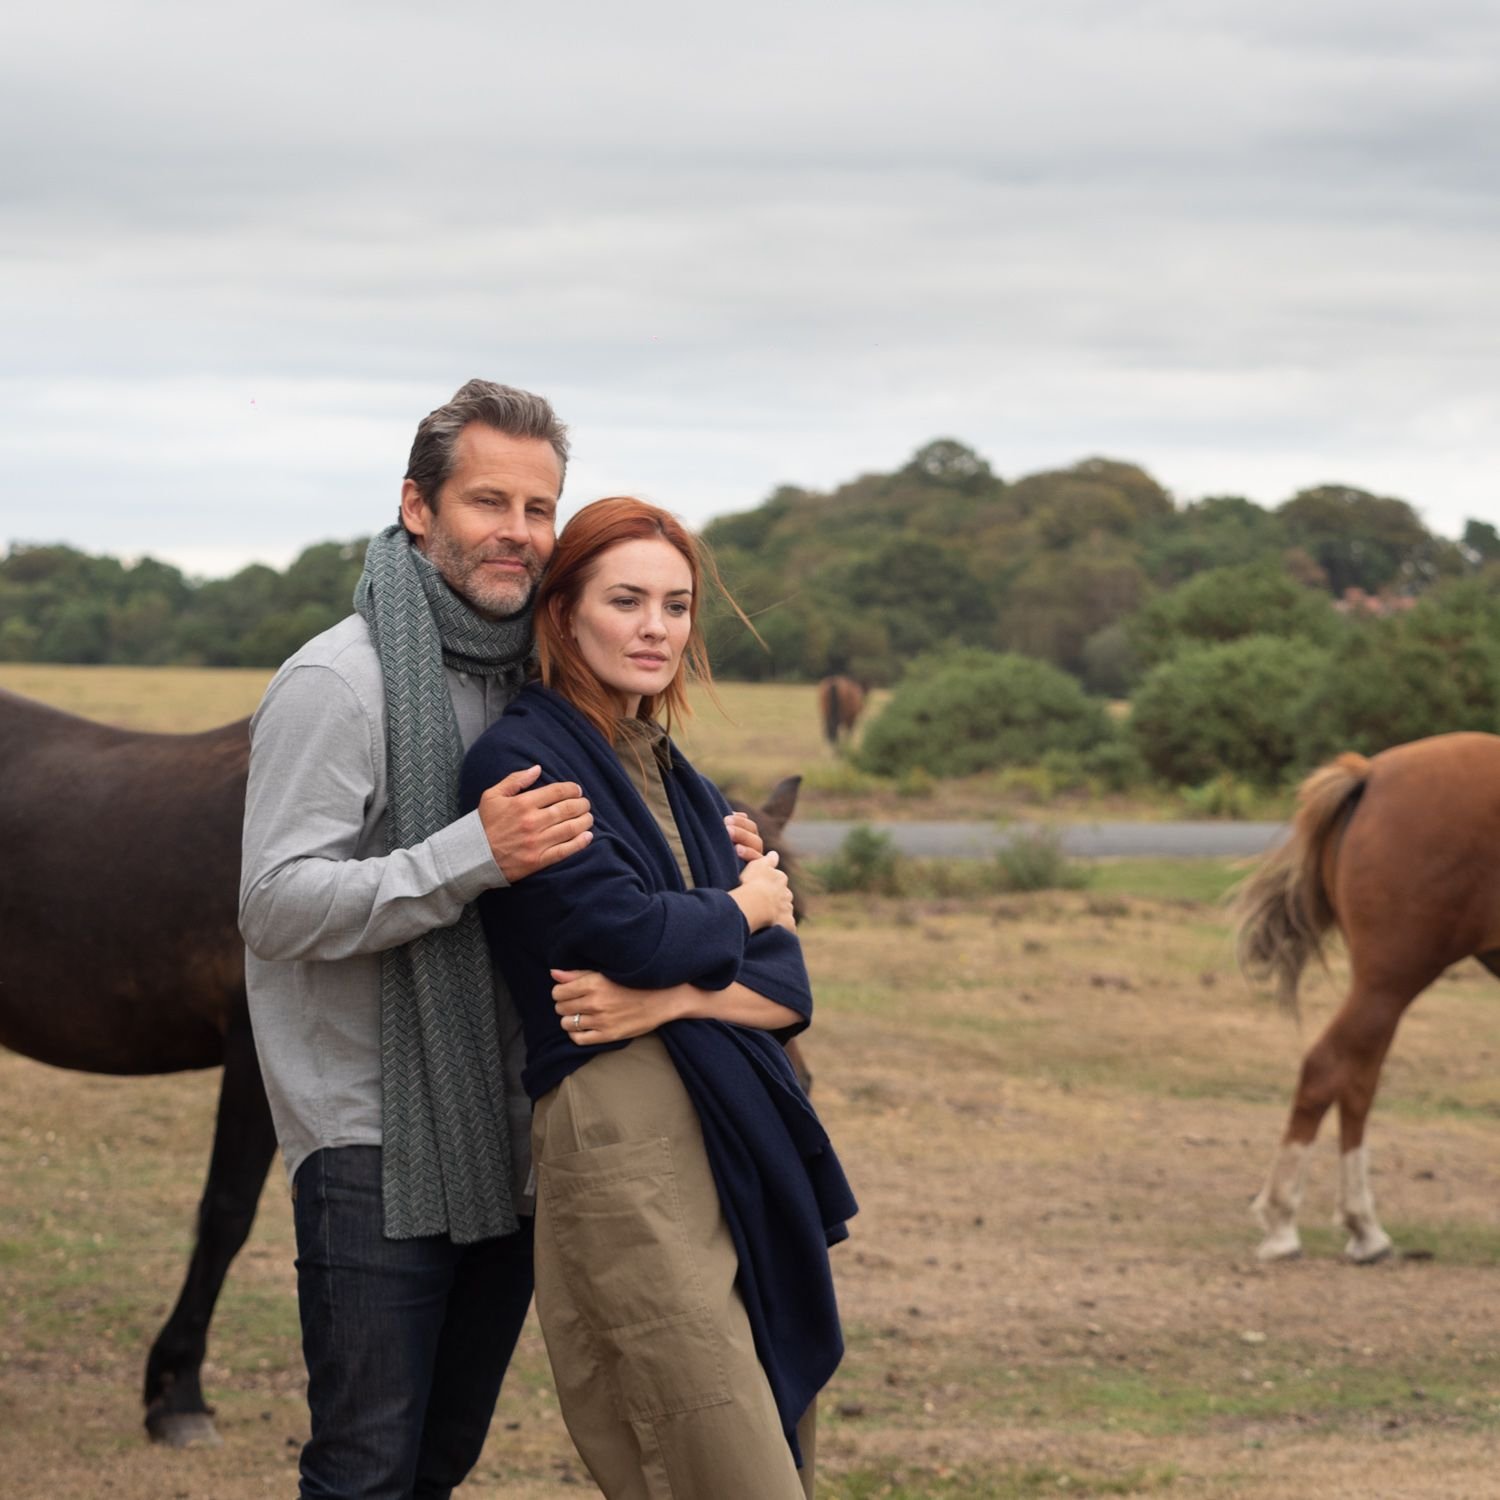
(771, 818)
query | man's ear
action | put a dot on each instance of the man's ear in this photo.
(416, 514)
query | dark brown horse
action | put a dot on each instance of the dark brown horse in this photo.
(120, 953)
(1402, 853)
(841, 700)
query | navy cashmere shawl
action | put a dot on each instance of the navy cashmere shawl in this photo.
(620, 907)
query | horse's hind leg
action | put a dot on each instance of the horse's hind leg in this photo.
(1365, 1057)
(1342, 1066)
(244, 1143)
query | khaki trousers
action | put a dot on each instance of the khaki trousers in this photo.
(650, 1345)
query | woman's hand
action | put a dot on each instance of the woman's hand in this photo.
(764, 895)
(747, 840)
(593, 1009)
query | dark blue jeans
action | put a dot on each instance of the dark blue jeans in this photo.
(406, 1341)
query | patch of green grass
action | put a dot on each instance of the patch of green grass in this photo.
(1449, 1242)
(1202, 880)
(1010, 1482)
(1210, 1388)
(1425, 1106)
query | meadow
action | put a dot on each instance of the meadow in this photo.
(746, 736)
(1054, 1108)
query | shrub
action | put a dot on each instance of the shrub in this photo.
(867, 861)
(1230, 604)
(1432, 671)
(975, 711)
(917, 781)
(1235, 708)
(1034, 861)
(1116, 765)
(1032, 785)
(840, 779)
(1224, 797)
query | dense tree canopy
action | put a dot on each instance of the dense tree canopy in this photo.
(1091, 568)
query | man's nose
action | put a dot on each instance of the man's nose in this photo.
(510, 524)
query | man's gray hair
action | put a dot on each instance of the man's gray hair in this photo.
(516, 413)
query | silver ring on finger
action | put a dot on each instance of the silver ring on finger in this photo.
(578, 1021)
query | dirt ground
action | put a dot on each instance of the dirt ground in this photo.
(1054, 1109)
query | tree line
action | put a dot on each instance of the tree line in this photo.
(1092, 569)
(945, 554)
(58, 604)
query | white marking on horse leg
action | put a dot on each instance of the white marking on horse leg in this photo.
(1276, 1207)
(1367, 1240)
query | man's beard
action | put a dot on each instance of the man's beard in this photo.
(496, 598)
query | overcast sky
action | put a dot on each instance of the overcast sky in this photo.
(1251, 246)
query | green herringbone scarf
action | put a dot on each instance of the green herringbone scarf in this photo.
(446, 1143)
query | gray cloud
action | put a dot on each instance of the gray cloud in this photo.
(1249, 246)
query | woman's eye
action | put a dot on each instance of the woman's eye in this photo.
(626, 599)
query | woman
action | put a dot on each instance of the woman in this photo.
(686, 1193)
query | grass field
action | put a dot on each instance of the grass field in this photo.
(1054, 1109)
(756, 734)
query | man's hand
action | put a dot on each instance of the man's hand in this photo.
(748, 843)
(594, 1009)
(530, 830)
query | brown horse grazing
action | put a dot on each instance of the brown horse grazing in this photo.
(1402, 852)
(120, 953)
(841, 700)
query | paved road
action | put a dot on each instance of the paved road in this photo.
(1204, 840)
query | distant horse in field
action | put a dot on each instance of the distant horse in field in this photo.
(120, 953)
(841, 700)
(1402, 853)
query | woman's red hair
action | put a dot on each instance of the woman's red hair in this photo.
(584, 540)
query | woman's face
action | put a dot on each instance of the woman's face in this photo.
(633, 619)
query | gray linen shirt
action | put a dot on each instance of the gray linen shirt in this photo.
(320, 899)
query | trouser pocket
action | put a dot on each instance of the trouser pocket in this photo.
(629, 1269)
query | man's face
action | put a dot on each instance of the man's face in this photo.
(496, 520)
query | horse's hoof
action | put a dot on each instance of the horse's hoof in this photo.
(1284, 1244)
(183, 1429)
(1369, 1251)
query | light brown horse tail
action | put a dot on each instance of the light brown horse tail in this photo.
(1284, 909)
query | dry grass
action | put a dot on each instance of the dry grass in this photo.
(762, 732)
(1054, 1109)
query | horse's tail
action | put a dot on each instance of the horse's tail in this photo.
(828, 708)
(1284, 908)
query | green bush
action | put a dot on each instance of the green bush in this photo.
(1235, 708)
(1034, 861)
(867, 861)
(841, 779)
(1230, 604)
(915, 782)
(1116, 765)
(1224, 796)
(976, 711)
(1432, 671)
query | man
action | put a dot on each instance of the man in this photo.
(391, 1056)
